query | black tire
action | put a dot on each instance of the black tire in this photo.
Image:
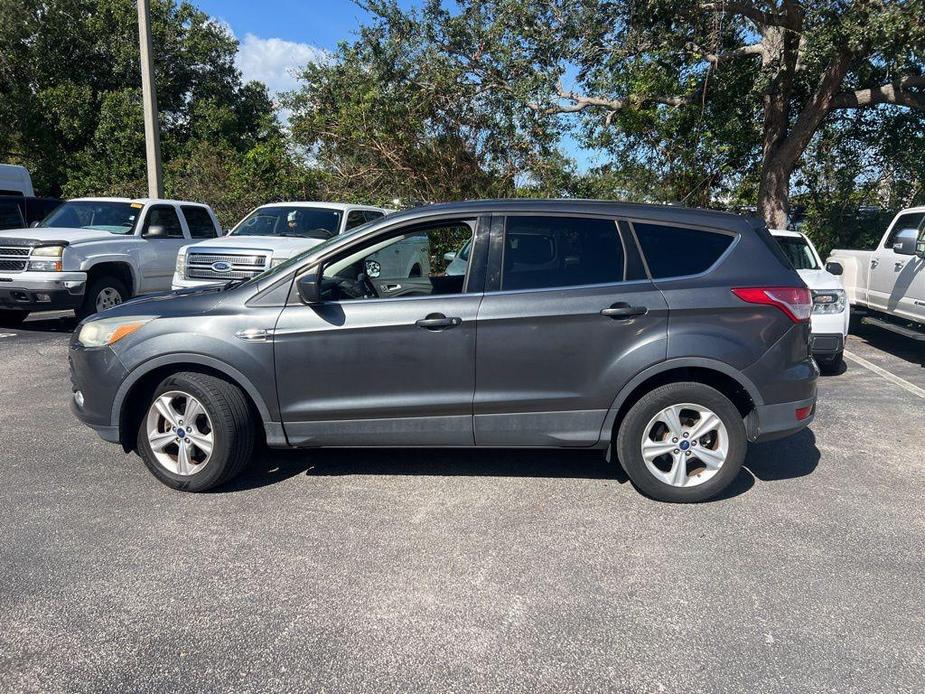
(12, 319)
(95, 288)
(633, 429)
(831, 366)
(232, 426)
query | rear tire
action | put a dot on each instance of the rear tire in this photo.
(225, 423)
(12, 319)
(831, 366)
(102, 293)
(677, 475)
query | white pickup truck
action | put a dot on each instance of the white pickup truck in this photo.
(93, 253)
(273, 233)
(888, 283)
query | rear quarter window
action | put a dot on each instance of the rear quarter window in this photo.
(199, 222)
(675, 251)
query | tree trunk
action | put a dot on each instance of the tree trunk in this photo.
(774, 194)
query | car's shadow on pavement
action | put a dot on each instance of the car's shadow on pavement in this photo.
(788, 458)
(899, 346)
(47, 323)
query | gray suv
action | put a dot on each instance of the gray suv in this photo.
(666, 337)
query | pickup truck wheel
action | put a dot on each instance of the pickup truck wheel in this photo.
(682, 442)
(12, 318)
(832, 365)
(103, 293)
(197, 433)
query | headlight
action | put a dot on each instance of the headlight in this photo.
(46, 259)
(181, 261)
(829, 300)
(106, 331)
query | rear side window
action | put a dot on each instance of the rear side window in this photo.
(543, 252)
(199, 222)
(163, 223)
(10, 216)
(371, 215)
(673, 251)
(354, 219)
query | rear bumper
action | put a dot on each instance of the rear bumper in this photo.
(769, 422)
(42, 291)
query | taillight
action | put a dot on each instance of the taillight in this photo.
(795, 302)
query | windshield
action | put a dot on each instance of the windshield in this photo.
(798, 252)
(283, 220)
(106, 215)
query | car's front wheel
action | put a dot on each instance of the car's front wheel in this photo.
(197, 432)
(682, 442)
(102, 293)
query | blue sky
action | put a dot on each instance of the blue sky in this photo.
(279, 36)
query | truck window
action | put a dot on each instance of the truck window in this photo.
(354, 219)
(910, 220)
(164, 217)
(199, 222)
(10, 216)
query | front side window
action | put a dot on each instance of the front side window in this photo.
(10, 216)
(199, 222)
(414, 263)
(372, 215)
(289, 220)
(673, 251)
(544, 252)
(103, 215)
(162, 223)
(798, 252)
(907, 225)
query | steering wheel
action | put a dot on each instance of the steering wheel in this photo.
(369, 289)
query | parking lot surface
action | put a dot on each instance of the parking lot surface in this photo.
(464, 570)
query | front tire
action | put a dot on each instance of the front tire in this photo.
(682, 443)
(102, 293)
(12, 319)
(197, 432)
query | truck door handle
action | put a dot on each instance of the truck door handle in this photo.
(874, 262)
(622, 311)
(437, 321)
(898, 265)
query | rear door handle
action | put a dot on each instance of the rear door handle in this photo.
(622, 310)
(437, 321)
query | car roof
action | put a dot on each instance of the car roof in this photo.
(341, 206)
(142, 201)
(656, 213)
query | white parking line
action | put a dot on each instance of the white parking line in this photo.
(893, 378)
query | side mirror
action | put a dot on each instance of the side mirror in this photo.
(449, 257)
(834, 268)
(906, 245)
(309, 286)
(156, 231)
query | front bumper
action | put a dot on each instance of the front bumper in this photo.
(96, 374)
(42, 291)
(179, 282)
(827, 346)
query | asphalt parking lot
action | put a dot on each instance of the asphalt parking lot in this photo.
(464, 571)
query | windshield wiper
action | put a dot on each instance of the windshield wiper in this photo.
(234, 283)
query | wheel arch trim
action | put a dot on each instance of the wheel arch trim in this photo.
(670, 365)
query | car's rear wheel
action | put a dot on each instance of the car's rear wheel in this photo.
(11, 319)
(682, 442)
(102, 293)
(197, 432)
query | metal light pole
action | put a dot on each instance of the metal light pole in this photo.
(149, 97)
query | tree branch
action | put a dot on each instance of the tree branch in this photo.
(742, 51)
(891, 93)
(580, 102)
(760, 17)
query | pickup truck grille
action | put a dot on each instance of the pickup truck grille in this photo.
(200, 266)
(13, 259)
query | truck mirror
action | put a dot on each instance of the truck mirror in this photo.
(834, 268)
(905, 245)
(309, 286)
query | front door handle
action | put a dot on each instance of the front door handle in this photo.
(622, 311)
(874, 262)
(437, 321)
(898, 265)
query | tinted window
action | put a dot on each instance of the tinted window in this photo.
(372, 214)
(798, 252)
(284, 220)
(39, 208)
(355, 219)
(10, 217)
(541, 252)
(672, 251)
(163, 216)
(911, 220)
(199, 222)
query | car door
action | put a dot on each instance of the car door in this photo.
(891, 274)
(567, 319)
(378, 366)
(163, 235)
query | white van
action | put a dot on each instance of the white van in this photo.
(15, 180)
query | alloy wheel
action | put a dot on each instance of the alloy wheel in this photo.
(180, 433)
(685, 445)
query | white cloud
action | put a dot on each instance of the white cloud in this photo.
(275, 62)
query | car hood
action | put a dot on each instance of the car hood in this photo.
(58, 234)
(820, 279)
(280, 246)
